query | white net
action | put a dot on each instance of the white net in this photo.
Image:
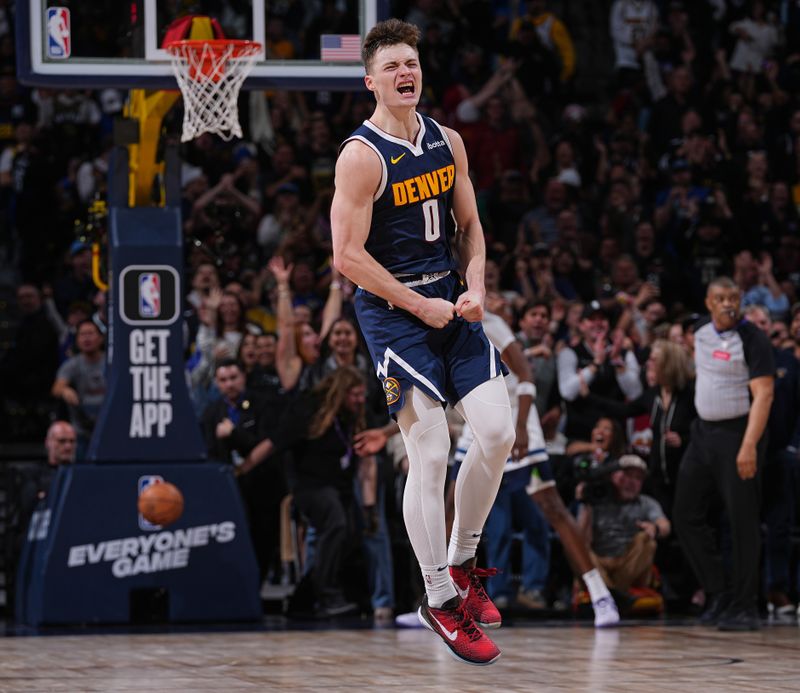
(210, 75)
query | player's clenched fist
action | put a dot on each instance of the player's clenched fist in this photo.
(436, 312)
(469, 306)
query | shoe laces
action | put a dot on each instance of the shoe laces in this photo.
(467, 624)
(475, 576)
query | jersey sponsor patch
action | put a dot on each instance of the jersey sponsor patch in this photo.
(391, 389)
(721, 355)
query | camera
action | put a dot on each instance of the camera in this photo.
(596, 479)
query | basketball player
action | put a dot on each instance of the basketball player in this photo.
(403, 195)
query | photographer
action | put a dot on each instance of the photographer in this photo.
(622, 525)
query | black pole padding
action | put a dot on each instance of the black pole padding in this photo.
(118, 177)
(172, 175)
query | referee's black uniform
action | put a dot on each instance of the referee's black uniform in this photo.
(726, 362)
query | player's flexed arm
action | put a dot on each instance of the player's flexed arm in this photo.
(469, 241)
(358, 174)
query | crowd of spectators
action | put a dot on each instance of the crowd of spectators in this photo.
(607, 213)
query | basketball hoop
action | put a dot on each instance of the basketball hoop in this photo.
(210, 74)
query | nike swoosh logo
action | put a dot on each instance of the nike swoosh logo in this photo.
(395, 159)
(462, 593)
(476, 535)
(450, 636)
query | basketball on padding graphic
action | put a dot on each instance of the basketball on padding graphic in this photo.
(161, 503)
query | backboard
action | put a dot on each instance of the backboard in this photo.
(113, 43)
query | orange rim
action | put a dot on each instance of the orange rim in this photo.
(205, 59)
(241, 47)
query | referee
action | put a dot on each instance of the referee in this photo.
(733, 395)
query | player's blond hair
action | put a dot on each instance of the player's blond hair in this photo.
(388, 33)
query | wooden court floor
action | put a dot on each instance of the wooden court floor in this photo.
(537, 658)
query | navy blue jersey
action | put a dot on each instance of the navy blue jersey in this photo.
(412, 217)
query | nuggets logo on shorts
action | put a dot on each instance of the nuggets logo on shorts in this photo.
(392, 389)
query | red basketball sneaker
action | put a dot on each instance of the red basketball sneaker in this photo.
(455, 626)
(467, 579)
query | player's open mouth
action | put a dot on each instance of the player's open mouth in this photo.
(406, 88)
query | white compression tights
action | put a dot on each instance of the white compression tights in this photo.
(425, 433)
(488, 413)
(427, 439)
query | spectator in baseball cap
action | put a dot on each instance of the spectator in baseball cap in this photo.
(595, 365)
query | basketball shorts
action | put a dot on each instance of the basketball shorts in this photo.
(533, 471)
(445, 363)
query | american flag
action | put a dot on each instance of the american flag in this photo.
(340, 47)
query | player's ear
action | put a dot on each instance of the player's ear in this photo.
(369, 82)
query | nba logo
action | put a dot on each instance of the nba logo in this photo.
(149, 295)
(144, 482)
(59, 39)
